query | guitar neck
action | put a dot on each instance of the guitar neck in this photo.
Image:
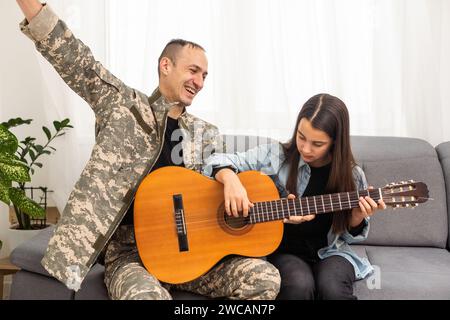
(284, 208)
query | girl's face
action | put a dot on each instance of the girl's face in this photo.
(313, 144)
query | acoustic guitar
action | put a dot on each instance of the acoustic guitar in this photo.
(182, 229)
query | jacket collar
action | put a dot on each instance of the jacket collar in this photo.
(160, 107)
(302, 164)
(158, 101)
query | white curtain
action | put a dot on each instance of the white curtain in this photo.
(386, 59)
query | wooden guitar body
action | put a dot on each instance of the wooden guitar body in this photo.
(182, 230)
(210, 234)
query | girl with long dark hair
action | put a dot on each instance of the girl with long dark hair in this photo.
(314, 258)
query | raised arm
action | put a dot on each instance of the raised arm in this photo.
(30, 8)
(73, 60)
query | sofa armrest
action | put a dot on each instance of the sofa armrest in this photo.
(29, 254)
(443, 151)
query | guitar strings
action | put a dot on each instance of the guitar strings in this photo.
(273, 208)
(260, 217)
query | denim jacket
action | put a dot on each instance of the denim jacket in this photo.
(269, 159)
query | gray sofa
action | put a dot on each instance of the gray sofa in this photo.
(409, 248)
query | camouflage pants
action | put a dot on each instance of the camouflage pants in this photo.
(232, 278)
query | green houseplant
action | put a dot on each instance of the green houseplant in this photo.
(17, 161)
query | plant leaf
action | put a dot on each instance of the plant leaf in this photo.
(8, 141)
(25, 204)
(28, 140)
(4, 191)
(65, 122)
(39, 149)
(13, 169)
(16, 122)
(23, 154)
(32, 155)
(57, 125)
(47, 132)
(38, 164)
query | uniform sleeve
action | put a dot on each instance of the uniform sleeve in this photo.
(73, 61)
(263, 158)
(213, 142)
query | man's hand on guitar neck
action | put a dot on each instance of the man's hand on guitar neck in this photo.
(235, 195)
(30, 8)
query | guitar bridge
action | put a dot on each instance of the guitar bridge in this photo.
(180, 222)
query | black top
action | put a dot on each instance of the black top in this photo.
(165, 159)
(306, 238)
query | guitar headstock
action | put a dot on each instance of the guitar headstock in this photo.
(405, 194)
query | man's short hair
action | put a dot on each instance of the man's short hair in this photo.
(173, 47)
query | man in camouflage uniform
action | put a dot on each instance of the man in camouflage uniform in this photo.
(130, 137)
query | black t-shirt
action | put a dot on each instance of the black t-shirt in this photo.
(165, 159)
(306, 238)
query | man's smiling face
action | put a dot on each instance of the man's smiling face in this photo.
(181, 80)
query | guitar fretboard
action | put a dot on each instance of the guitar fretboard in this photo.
(284, 208)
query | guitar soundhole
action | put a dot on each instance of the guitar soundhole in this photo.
(231, 224)
(235, 223)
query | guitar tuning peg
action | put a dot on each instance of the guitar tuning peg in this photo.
(411, 181)
(407, 205)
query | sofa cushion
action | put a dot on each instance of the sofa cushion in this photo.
(93, 287)
(443, 151)
(405, 273)
(29, 254)
(388, 159)
(28, 257)
(33, 286)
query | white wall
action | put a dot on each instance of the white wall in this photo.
(19, 69)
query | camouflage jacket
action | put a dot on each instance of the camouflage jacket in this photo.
(129, 136)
